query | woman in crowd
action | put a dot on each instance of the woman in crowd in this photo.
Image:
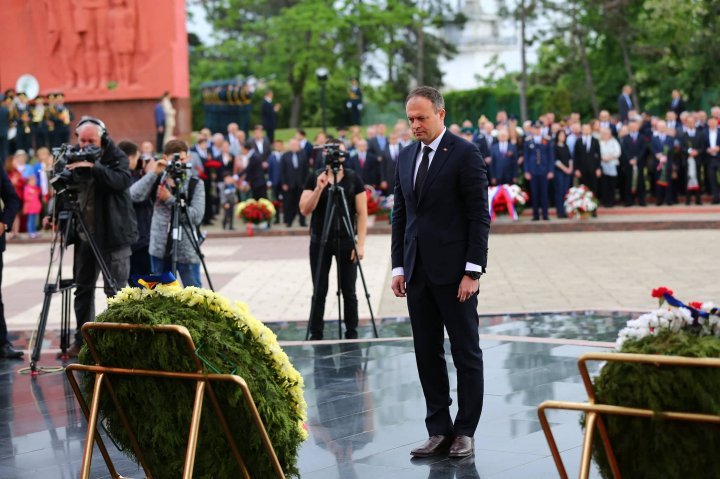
(563, 172)
(610, 160)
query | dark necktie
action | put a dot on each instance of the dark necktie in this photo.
(422, 171)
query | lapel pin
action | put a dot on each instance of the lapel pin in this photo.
(444, 149)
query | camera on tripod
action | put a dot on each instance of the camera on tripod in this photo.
(178, 169)
(64, 179)
(333, 153)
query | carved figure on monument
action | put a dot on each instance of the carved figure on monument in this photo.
(169, 118)
(122, 33)
(90, 21)
(53, 17)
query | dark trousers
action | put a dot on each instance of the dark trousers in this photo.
(259, 191)
(140, 262)
(664, 194)
(159, 141)
(562, 185)
(713, 168)
(3, 325)
(4, 149)
(86, 271)
(639, 192)
(431, 307)
(348, 276)
(607, 190)
(291, 205)
(591, 181)
(539, 195)
(229, 217)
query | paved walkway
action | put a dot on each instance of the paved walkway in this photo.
(526, 272)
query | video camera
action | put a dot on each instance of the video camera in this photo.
(177, 169)
(333, 153)
(63, 179)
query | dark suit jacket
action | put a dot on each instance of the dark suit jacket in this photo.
(370, 171)
(584, 161)
(291, 176)
(267, 148)
(706, 144)
(269, 116)
(623, 107)
(4, 120)
(374, 145)
(11, 204)
(504, 167)
(678, 107)
(634, 149)
(254, 172)
(450, 223)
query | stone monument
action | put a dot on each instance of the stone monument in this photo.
(112, 59)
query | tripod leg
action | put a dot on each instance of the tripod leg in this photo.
(196, 247)
(107, 277)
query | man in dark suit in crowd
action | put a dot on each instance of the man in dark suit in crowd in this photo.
(677, 104)
(366, 163)
(304, 143)
(663, 148)
(293, 174)
(10, 208)
(268, 111)
(5, 107)
(587, 160)
(274, 172)
(378, 143)
(691, 159)
(261, 144)
(504, 163)
(625, 103)
(711, 150)
(634, 158)
(254, 172)
(440, 233)
(388, 162)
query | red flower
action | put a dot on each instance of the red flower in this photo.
(696, 305)
(661, 291)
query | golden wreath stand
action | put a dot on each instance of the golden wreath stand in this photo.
(595, 411)
(203, 382)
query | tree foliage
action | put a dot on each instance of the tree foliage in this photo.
(654, 45)
(395, 43)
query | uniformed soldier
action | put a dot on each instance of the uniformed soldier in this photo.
(354, 102)
(539, 164)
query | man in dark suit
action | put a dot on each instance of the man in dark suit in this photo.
(378, 143)
(305, 144)
(254, 172)
(268, 111)
(261, 144)
(504, 163)
(634, 159)
(5, 107)
(440, 233)
(677, 104)
(663, 149)
(625, 103)
(689, 171)
(711, 149)
(388, 162)
(587, 160)
(11, 206)
(293, 175)
(366, 163)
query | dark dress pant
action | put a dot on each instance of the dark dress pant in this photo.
(434, 307)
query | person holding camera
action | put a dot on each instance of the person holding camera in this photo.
(177, 181)
(316, 199)
(105, 206)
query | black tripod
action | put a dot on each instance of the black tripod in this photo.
(66, 220)
(337, 201)
(178, 228)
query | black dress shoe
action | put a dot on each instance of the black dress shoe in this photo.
(462, 446)
(434, 446)
(8, 352)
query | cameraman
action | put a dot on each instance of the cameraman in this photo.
(164, 191)
(105, 206)
(316, 199)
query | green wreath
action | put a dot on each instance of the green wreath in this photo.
(655, 448)
(159, 411)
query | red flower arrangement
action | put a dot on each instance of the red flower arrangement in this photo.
(660, 292)
(373, 205)
(255, 212)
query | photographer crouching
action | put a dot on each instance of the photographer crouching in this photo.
(92, 179)
(176, 184)
(316, 199)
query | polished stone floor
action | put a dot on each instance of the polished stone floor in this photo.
(365, 405)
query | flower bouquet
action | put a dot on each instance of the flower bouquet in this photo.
(255, 211)
(580, 201)
(507, 198)
(654, 447)
(373, 200)
(386, 206)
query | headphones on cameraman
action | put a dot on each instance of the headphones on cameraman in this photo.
(97, 122)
